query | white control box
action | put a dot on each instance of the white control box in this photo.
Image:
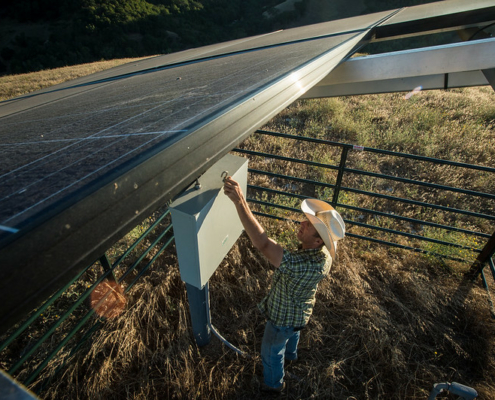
(205, 221)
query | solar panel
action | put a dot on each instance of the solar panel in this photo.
(83, 164)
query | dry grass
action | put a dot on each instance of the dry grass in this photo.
(456, 125)
(388, 323)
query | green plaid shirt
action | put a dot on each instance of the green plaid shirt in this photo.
(291, 298)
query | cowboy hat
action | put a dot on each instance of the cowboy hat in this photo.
(326, 220)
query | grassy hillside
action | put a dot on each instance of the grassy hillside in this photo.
(388, 324)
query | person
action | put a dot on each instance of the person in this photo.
(291, 298)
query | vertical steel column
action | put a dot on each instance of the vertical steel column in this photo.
(343, 159)
(200, 313)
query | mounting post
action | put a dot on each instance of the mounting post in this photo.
(199, 308)
(206, 226)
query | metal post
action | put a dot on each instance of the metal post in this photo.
(105, 263)
(343, 159)
(483, 257)
(199, 309)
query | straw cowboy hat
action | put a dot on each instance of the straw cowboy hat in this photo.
(326, 220)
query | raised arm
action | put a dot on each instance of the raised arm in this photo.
(268, 247)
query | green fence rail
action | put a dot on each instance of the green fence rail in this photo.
(73, 325)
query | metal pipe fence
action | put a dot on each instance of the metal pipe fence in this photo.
(337, 189)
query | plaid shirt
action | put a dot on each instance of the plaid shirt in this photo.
(291, 298)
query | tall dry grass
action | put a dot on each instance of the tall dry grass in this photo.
(386, 325)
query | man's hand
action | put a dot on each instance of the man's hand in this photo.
(233, 190)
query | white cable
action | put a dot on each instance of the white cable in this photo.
(216, 333)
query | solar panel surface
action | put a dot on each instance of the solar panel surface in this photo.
(51, 151)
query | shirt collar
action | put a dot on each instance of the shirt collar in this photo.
(309, 251)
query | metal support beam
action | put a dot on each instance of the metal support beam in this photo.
(490, 76)
(441, 16)
(461, 63)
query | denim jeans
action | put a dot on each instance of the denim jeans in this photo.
(279, 343)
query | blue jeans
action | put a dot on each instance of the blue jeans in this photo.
(279, 343)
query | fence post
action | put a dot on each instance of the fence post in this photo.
(483, 257)
(343, 159)
(105, 263)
